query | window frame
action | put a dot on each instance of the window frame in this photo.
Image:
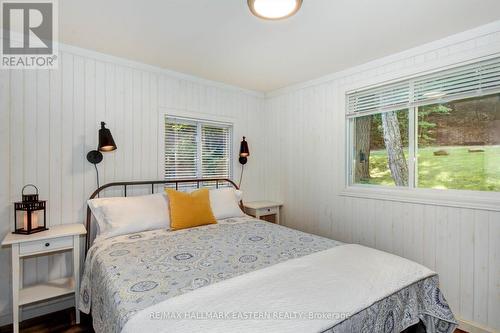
(469, 199)
(199, 120)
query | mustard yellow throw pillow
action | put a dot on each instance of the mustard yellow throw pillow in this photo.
(188, 210)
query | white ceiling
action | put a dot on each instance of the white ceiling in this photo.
(220, 40)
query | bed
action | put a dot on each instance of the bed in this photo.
(247, 275)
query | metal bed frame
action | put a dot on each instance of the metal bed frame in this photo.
(417, 328)
(125, 185)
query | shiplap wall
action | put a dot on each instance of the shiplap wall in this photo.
(49, 121)
(306, 149)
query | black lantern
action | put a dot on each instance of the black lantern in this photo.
(30, 214)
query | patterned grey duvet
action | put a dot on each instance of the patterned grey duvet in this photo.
(126, 274)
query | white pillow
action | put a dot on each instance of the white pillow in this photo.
(239, 195)
(225, 203)
(120, 216)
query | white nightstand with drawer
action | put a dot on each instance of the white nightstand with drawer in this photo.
(63, 237)
(264, 210)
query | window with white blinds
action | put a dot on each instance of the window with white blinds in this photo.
(438, 131)
(197, 149)
(468, 81)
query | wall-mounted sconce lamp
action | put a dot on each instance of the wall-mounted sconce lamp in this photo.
(106, 144)
(244, 153)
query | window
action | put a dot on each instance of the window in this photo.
(197, 149)
(440, 131)
(459, 144)
(378, 139)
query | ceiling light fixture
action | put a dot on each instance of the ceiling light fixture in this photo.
(274, 9)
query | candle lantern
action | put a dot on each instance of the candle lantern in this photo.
(30, 215)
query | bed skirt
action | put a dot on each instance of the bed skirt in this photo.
(421, 304)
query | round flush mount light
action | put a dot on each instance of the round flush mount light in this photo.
(274, 9)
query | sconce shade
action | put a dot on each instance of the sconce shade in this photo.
(244, 152)
(106, 142)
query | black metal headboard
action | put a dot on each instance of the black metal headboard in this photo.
(125, 185)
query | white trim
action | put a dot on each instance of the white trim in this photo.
(472, 327)
(199, 150)
(78, 51)
(196, 117)
(412, 147)
(448, 198)
(349, 152)
(415, 72)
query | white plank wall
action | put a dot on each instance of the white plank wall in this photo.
(306, 147)
(49, 121)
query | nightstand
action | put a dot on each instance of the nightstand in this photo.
(65, 237)
(265, 210)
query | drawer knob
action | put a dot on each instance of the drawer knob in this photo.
(47, 244)
(268, 210)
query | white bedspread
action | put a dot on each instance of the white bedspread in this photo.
(329, 284)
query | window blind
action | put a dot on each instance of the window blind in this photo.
(181, 153)
(215, 152)
(197, 149)
(472, 80)
(385, 97)
(476, 79)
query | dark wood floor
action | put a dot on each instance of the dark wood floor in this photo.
(57, 322)
(62, 322)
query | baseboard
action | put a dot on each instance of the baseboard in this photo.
(40, 309)
(472, 327)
